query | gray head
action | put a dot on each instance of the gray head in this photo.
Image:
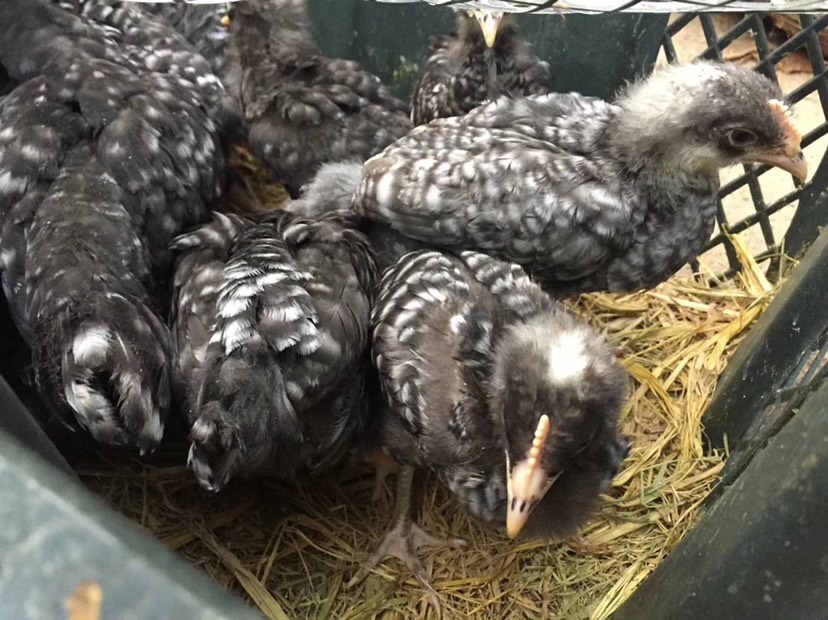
(557, 391)
(702, 116)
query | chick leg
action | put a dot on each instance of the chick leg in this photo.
(383, 466)
(405, 537)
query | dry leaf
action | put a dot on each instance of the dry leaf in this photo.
(85, 603)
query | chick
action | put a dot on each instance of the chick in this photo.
(204, 24)
(495, 387)
(270, 325)
(332, 188)
(304, 109)
(109, 148)
(483, 59)
(585, 195)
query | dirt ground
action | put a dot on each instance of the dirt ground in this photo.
(792, 73)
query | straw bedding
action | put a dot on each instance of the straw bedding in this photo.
(290, 550)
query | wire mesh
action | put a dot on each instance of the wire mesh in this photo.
(632, 6)
(759, 201)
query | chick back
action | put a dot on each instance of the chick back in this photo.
(302, 108)
(110, 147)
(536, 181)
(271, 323)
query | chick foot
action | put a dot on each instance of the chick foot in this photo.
(581, 546)
(404, 539)
(107, 362)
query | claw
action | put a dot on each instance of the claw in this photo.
(403, 540)
(402, 543)
(580, 545)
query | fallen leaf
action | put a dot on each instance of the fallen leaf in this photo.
(85, 603)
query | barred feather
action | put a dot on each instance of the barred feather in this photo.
(273, 375)
(584, 194)
(304, 109)
(466, 349)
(109, 148)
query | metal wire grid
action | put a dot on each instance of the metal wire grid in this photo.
(806, 39)
(632, 6)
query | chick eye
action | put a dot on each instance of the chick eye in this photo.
(741, 137)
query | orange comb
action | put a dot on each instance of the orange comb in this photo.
(785, 118)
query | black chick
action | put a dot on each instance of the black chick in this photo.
(507, 397)
(109, 147)
(271, 324)
(304, 109)
(205, 25)
(585, 194)
(483, 59)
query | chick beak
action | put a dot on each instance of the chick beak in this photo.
(225, 21)
(789, 155)
(489, 22)
(789, 158)
(528, 482)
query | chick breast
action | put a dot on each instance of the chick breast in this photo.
(461, 72)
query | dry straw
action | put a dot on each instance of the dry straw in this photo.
(291, 549)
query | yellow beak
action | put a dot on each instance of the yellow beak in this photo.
(528, 482)
(526, 489)
(489, 22)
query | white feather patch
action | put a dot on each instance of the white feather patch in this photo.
(93, 410)
(202, 429)
(153, 427)
(284, 313)
(457, 322)
(6, 258)
(568, 358)
(234, 307)
(385, 190)
(10, 183)
(90, 346)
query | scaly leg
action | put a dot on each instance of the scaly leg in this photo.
(404, 538)
(383, 466)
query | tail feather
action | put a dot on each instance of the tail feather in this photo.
(242, 409)
(114, 370)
